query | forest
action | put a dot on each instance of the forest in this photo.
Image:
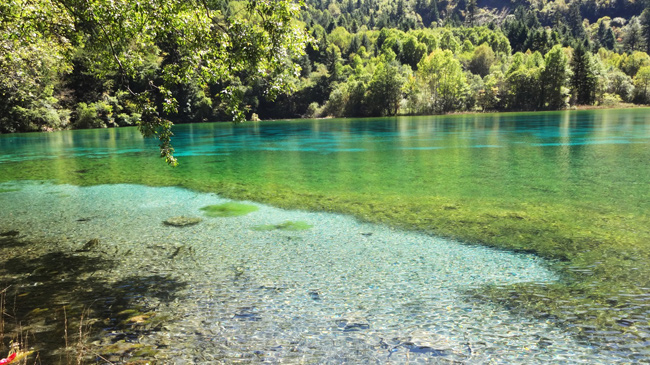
(67, 64)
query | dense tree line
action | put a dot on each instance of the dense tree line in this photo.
(441, 56)
(88, 64)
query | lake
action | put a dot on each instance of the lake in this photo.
(507, 238)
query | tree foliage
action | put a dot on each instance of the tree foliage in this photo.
(584, 78)
(554, 78)
(99, 63)
(441, 81)
(194, 42)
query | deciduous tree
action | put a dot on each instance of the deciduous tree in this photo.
(385, 89)
(443, 81)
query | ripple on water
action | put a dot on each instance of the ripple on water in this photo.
(342, 291)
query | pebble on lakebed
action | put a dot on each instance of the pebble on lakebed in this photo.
(182, 221)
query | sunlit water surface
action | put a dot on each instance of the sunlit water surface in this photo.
(342, 291)
(589, 157)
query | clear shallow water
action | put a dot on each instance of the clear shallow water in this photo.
(342, 291)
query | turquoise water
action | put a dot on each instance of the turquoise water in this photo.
(482, 131)
(599, 156)
(343, 290)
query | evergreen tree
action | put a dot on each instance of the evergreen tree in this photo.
(583, 80)
(365, 41)
(471, 12)
(428, 10)
(532, 21)
(400, 10)
(334, 63)
(434, 13)
(605, 36)
(355, 44)
(574, 21)
(645, 28)
(517, 33)
(384, 33)
(634, 39)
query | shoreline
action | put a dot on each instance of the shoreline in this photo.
(622, 106)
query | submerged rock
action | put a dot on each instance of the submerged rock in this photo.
(90, 245)
(421, 338)
(182, 221)
(120, 349)
(182, 250)
(422, 341)
(247, 314)
(315, 294)
(353, 322)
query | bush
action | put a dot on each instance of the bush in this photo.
(40, 115)
(335, 106)
(123, 119)
(104, 112)
(313, 111)
(610, 100)
(87, 117)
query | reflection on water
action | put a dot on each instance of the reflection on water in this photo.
(547, 156)
(348, 135)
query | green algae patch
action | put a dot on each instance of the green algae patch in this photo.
(286, 226)
(121, 347)
(8, 190)
(231, 209)
(128, 312)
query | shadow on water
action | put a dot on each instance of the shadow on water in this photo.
(45, 292)
(612, 319)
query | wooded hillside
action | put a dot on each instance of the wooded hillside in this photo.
(72, 64)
